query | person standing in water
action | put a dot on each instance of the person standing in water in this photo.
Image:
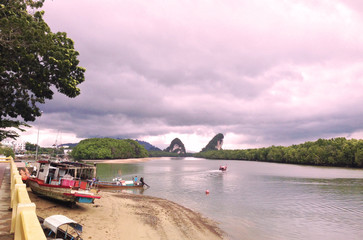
(142, 182)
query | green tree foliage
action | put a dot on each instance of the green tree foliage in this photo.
(168, 154)
(358, 156)
(108, 148)
(7, 152)
(162, 154)
(33, 62)
(338, 152)
(30, 147)
(49, 151)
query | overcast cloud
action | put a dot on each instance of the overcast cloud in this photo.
(263, 72)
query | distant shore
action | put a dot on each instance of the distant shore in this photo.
(127, 216)
(126, 160)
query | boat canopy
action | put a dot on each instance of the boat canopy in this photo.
(55, 221)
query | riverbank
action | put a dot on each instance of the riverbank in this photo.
(127, 216)
(126, 160)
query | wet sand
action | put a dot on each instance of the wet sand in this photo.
(127, 216)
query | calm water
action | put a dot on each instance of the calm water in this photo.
(258, 201)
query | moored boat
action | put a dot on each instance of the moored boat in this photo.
(64, 181)
(118, 184)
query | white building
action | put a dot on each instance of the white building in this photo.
(16, 145)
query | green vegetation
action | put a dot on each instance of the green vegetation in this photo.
(338, 152)
(30, 146)
(34, 62)
(6, 151)
(162, 154)
(168, 154)
(53, 152)
(108, 148)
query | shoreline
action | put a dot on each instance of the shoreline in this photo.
(117, 215)
(125, 160)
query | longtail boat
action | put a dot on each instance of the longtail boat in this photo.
(64, 181)
(118, 184)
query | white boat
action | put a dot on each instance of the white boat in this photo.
(53, 225)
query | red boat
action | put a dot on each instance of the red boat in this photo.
(223, 168)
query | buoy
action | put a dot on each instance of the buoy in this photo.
(207, 191)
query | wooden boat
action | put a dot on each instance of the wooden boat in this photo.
(64, 181)
(57, 227)
(119, 184)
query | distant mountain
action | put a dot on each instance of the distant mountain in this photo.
(176, 146)
(148, 146)
(215, 144)
(70, 145)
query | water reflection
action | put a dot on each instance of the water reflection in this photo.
(130, 191)
(256, 201)
(107, 172)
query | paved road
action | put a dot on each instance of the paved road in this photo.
(5, 214)
(3, 166)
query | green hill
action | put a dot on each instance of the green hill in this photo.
(108, 148)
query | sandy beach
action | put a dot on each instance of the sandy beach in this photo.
(126, 216)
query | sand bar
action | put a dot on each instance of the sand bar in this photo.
(127, 216)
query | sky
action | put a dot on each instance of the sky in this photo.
(262, 72)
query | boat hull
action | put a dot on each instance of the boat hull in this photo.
(116, 186)
(62, 193)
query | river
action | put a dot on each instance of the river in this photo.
(256, 200)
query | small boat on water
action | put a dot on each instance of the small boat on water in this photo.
(57, 227)
(65, 181)
(223, 168)
(119, 184)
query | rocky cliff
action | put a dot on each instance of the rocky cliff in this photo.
(176, 146)
(215, 144)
